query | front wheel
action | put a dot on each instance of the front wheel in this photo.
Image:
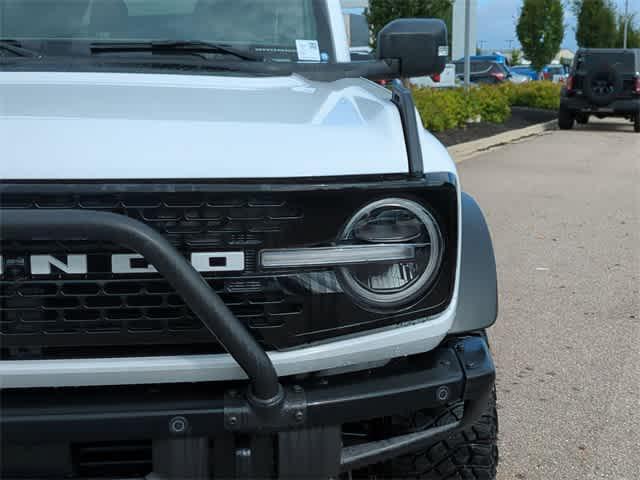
(636, 123)
(469, 454)
(565, 119)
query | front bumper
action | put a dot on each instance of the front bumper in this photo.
(579, 104)
(310, 417)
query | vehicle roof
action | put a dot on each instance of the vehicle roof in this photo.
(484, 58)
(611, 51)
(478, 60)
(605, 51)
(499, 58)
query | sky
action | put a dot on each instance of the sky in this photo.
(497, 20)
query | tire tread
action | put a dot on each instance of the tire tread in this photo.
(565, 119)
(471, 454)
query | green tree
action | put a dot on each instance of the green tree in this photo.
(596, 23)
(634, 40)
(381, 12)
(540, 30)
(516, 57)
(633, 35)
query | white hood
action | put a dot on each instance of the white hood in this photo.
(89, 126)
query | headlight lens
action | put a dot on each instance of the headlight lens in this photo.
(389, 284)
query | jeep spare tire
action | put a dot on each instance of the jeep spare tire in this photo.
(603, 84)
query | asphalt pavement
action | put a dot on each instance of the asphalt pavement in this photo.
(564, 211)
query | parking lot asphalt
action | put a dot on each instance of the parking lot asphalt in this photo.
(564, 211)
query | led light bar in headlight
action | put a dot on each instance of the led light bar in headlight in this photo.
(387, 256)
(393, 284)
(337, 256)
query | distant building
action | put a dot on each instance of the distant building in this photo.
(564, 56)
(357, 30)
(356, 24)
(458, 28)
(358, 36)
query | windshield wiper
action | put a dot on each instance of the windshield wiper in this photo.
(13, 46)
(177, 46)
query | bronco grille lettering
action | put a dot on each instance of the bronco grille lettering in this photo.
(78, 264)
(134, 263)
(74, 264)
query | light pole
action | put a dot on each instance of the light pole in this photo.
(626, 23)
(467, 46)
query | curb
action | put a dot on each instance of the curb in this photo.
(464, 151)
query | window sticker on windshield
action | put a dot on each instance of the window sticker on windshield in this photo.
(443, 51)
(308, 50)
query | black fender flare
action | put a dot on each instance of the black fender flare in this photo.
(477, 307)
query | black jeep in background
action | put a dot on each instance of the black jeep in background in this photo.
(604, 83)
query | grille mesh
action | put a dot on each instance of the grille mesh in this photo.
(194, 220)
(102, 309)
(130, 307)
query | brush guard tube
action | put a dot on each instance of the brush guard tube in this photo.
(265, 389)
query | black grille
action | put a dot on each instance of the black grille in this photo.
(108, 311)
(130, 312)
(100, 314)
(194, 220)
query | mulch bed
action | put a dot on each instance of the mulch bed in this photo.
(520, 118)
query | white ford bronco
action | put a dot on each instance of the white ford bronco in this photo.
(227, 253)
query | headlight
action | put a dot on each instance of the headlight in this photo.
(393, 283)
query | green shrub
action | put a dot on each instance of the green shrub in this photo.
(440, 109)
(493, 103)
(443, 109)
(542, 94)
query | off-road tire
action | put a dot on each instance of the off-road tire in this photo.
(636, 123)
(471, 454)
(582, 118)
(565, 119)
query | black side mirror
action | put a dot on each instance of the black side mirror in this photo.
(418, 44)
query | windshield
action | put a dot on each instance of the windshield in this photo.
(622, 61)
(274, 29)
